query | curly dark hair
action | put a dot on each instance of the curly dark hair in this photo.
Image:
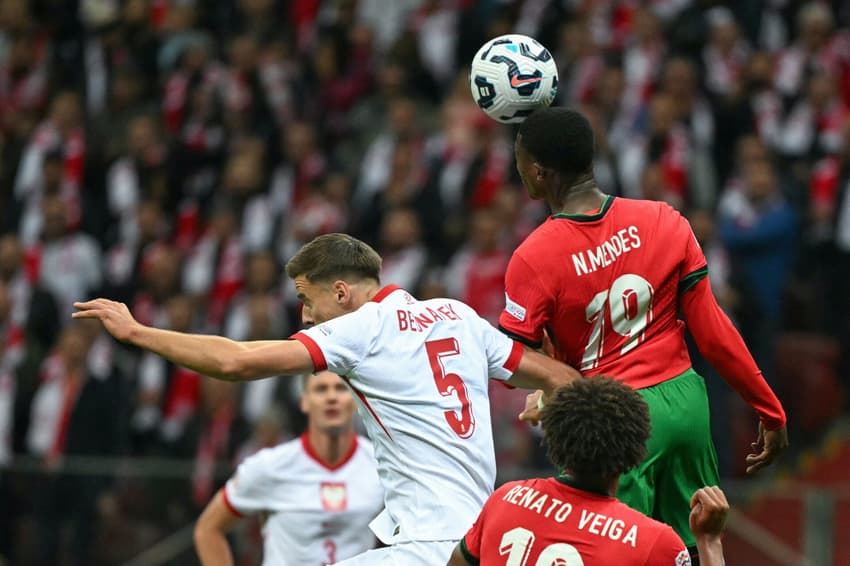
(596, 428)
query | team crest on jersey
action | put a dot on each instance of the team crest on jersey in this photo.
(334, 496)
(683, 559)
(514, 309)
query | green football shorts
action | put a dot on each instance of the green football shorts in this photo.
(680, 455)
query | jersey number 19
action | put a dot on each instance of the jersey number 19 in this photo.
(629, 303)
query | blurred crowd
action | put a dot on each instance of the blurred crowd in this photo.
(173, 154)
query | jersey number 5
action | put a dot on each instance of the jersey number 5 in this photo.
(629, 302)
(517, 543)
(451, 383)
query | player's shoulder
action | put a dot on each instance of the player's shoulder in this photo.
(266, 460)
(540, 239)
(646, 523)
(365, 316)
(648, 209)
(666, 546)
(387, 301)
(282, 451)
(658, 217)
(447, 309)
(369, 310)
(507, 488)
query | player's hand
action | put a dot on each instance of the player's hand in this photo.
(768, 446)
(115, 317)
(709, 510)
(531, 413)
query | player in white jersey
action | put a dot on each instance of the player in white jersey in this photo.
(418, 368)
(318, 492)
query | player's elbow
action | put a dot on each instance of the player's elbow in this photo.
(204, 532)
(238, 367)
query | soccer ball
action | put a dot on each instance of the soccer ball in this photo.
(511, 76)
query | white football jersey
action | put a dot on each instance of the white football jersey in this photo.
(419, 370)
(315, 514)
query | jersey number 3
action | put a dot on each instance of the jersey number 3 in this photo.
(629, 302)
(451, 383)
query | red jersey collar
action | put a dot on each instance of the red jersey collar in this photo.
(384, 293)
(308, 448)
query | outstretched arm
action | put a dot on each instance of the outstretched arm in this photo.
(210, 530)
(539, 371)
(720, 343)
(214, 356)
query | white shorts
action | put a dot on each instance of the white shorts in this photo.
(428, 553)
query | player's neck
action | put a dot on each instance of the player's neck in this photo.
(594, 485)
(367, 290)
(331, 447)
(581, 197)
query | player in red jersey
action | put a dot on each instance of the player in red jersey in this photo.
(605, 279)
(574, 519)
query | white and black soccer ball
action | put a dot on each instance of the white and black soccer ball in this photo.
(511, 76)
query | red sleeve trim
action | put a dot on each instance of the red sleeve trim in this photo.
(316, 354)
(514, 357)
(228, 504)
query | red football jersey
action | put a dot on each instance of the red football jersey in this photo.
(546, 522)
(605, 288)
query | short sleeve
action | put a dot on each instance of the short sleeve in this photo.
(694, 266)
(247, 491)
(528, 305)
(338, 345)
(503, 353)
(668, 550)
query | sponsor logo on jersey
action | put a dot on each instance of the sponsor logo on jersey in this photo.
(683, 559)
(334, 496)
(326, 330)
(513, 309)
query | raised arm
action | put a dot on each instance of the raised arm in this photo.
(214, 356)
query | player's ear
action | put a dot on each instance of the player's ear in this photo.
(540, 172)
(342, 291)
